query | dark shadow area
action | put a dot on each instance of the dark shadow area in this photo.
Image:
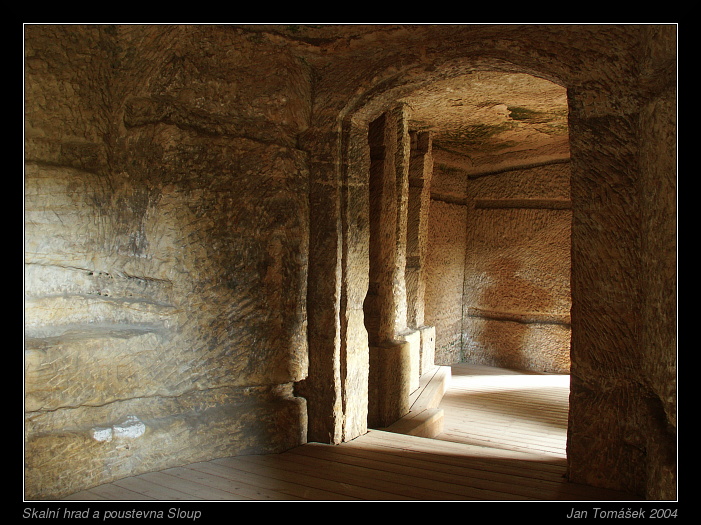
(378, 466)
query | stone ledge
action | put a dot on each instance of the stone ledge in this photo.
(427, 423)
(432, 386)
(425, 419)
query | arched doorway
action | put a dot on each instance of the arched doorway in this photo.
(503, 243)
(498, 260)
(336, 390)
(606, 268)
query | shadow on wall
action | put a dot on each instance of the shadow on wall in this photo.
(503, 327)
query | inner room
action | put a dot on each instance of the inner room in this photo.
(469, 257)
(498, 253)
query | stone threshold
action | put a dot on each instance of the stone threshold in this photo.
(424, 418)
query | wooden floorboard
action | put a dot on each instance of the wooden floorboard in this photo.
(504, 439)
(499, 408)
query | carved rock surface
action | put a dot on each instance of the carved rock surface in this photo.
(196, 232)
(166, 228)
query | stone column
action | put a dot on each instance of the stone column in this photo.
(402, 159)
(658, 268)
(336, 388)
(420, 172)
(322, 387)
(604, 446)
(394, 349)
(354, 285)
(385, 304)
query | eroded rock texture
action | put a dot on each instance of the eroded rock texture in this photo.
(166, 252)
(517, 273)
(198, 234)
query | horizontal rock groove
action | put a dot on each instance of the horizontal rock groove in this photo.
(544, 204)
(520, 317)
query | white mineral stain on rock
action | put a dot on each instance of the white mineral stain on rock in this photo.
(130, 428)
(102, 434)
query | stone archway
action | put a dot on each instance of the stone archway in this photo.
(340, 197)
(605, 171)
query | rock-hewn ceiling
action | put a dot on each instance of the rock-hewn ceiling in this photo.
(482, 121)
(488, 120)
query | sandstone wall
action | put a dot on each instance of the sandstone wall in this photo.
(606, 70)
(176, 177)
(445, 261)
(166, 227)
(659, 167)
(499, 267)
(516, 302)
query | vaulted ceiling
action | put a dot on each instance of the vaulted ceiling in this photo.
(489, 120)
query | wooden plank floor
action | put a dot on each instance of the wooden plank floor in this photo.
(500, 408)
(503, 440)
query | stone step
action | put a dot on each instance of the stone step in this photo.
(425, 419)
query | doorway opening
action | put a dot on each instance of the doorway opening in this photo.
(490, 270)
